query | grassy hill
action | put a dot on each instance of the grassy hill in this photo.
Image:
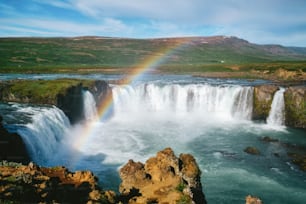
(117, 55)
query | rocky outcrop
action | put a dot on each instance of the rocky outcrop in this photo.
(295, 107)
(262, 100)
(252, 200)
(34, 184)
(12, 147)
(66, 94)
(162, 179)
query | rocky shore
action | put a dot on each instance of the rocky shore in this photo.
(162, 179)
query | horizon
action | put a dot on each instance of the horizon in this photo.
(276, 22)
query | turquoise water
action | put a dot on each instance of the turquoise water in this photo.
(150, 117)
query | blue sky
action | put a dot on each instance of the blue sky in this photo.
(258, 21)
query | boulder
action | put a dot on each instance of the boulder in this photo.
(162, 179)
(252, 200)
(262, 100)
(252, 150)
(295, 107)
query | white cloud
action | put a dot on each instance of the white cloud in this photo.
(262, 21)
(108, 26)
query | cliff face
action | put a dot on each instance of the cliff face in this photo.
(262, 100)
(295, 107)
(162, 179)
(66, 94)
(295, 104)
(12, 147)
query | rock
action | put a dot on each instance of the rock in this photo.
(252, 200)
(12, 147)
(162, 179)
(295, 107)
(252, 150)
(298, 159)
(34, 184)
(269, 139)
(262, 100)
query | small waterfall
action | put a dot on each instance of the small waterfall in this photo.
(43, 135)
(277, 112)
(201, 99)
(90, 111)
(243, 104)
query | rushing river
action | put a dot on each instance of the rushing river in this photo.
(209, 118)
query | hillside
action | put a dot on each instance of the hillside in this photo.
(117, 55)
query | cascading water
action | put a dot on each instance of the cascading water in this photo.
(44, 133)
(208, 120)
(182, 100)
(90, 111)
(276, 115)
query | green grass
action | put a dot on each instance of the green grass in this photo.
(50, 55)
(44, 91)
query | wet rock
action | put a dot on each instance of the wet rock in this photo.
(252, 200)
(293, 153)
(162, 179)
(269, 139)
(262, 100)
(252, 150)
(12, 147)
(298, 159)
(295, 107)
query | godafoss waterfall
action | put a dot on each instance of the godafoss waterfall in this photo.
(211, 119)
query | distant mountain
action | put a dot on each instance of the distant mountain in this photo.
(94, 51)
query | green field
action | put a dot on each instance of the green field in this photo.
(117, 55)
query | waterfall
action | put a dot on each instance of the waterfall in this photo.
(44, 133)
(90, 111)
(276, 115)
(201, 99)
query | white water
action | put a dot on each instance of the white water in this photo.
(276, 116)
(90, 111)
(224, 102)
(44, 134)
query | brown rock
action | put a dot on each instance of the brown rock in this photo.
(33, 184)
(252, 200)
(252, 150)
(162, 179)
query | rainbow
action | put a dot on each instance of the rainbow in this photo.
(147, 65)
